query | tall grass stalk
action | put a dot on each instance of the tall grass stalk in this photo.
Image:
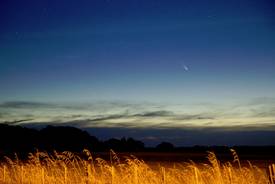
(68, 168)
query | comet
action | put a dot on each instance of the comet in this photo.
(185, 67)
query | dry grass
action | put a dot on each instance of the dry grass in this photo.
(69, 168)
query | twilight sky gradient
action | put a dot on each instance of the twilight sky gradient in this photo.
(154, 70)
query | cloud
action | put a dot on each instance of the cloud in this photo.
(257, 107)
(264, 112)
(25, 104)
(193, 117)
(127, 115)
(149, 114)
(15, 121)
(247, 123)
(155, 114)
(109, 117)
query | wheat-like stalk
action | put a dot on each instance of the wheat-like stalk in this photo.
(69, 168)
(236, 157)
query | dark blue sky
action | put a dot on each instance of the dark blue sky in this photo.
(138, 51)
(86, 50)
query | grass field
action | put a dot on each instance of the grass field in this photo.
(70, 168)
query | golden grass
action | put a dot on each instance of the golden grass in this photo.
(68, 168)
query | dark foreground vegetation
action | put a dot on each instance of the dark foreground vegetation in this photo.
(22, 140)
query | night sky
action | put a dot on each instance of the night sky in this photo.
(188, 72)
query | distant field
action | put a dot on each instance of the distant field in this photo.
(161, 168)
(260, 159)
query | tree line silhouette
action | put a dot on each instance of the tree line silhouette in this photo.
(18, 139)
(22, 140)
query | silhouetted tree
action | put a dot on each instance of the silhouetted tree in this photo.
(165, 146)
(17, 139)
(66, 138)
(124, 144)
(114, 144)
(134, 145)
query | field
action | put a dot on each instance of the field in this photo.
(70, 168)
